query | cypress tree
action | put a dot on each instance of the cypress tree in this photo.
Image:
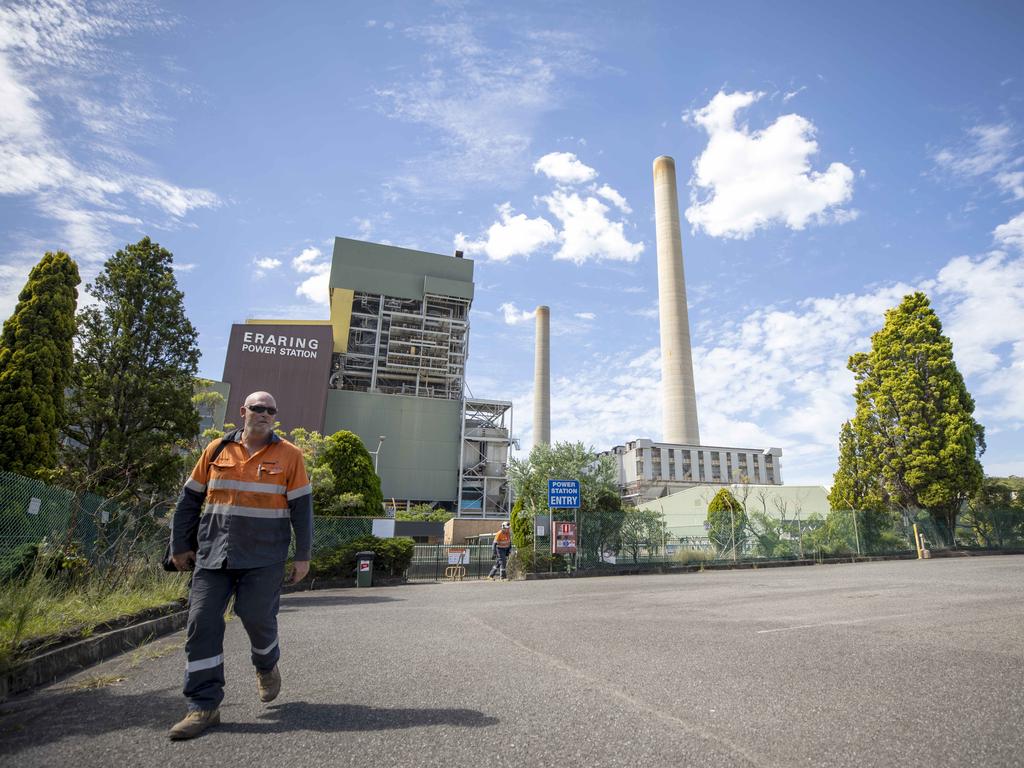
(132, 383)
(35, 365)
(917, 442)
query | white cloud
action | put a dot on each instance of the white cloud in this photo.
(745, 181)
(1011, 234)
(172, 199)
(264, 265)
(1012, 182)
(513, 235)
(613, 197)
(564, 168)
(315, 288)
(50, 56)
(306, 261)
(793, 94)
(482, 100)
(988, 150)
(513, 315)
(587, 233)
(586, 315)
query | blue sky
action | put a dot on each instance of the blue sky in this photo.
(830, 159)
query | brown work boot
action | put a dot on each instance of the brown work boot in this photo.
(194, 723)
(268, 684)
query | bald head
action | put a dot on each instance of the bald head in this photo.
(258, 416)
(261, 398)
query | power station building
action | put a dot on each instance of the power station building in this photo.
(389, 365)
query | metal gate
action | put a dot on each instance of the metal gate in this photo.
(446, 562)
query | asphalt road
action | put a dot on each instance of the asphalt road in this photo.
(883, 664)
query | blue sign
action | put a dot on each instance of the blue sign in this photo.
(564, 494)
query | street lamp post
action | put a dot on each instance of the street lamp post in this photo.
(376, 453)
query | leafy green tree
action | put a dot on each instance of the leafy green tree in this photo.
(601, 527)
(641, 530)
(767, 532)
(995, 514)
(563, 461)
(352, 488)
(727, 523)
(913, 442)
(35, 361)
(567, 461)
(130, 404)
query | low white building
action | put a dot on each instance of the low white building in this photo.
(649, 470)
(685, 512)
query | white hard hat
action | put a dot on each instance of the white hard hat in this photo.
(504, 525)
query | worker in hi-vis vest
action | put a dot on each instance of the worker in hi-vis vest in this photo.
(500, 549)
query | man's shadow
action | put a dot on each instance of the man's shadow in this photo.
(329, 718)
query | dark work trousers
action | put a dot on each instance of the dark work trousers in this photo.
(499, 563)
(257, 594)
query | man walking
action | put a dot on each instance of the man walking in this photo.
(500, 549)
(254, 484)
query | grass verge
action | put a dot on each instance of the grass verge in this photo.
(39, 607)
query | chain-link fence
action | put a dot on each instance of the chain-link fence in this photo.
(840, 533)
(100, 530)
(32, 511)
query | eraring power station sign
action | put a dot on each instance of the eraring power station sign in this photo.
(291, 362)
(280, 344)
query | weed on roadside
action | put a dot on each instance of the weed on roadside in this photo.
(94, 682)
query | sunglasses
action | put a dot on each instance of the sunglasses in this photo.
(262, 409)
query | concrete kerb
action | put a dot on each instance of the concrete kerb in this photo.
(637, 570)
(57, 663)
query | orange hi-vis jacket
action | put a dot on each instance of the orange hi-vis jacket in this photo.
(252, 503)
(503, 538)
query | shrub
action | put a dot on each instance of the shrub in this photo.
(686, 556)
(523, 561)
(18, 563)
(392, 558)
(424, 513)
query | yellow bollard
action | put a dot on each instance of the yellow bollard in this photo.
(917, 541)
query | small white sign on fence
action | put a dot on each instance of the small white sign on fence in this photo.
(33, 506)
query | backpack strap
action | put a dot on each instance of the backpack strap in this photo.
(224, 442)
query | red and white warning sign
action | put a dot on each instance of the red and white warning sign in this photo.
(564, 540)
(364, 565)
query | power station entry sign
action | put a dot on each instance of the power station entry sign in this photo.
(564, 494)
(564, 540)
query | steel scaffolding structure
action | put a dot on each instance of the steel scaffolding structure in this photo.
(405, 346)
(486, 444)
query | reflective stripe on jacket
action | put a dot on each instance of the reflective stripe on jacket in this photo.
(252, 502)
(503, 539)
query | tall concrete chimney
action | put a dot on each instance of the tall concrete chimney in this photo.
(679, 399)
(542, 379)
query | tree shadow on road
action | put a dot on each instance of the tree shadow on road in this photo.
(330, 718)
